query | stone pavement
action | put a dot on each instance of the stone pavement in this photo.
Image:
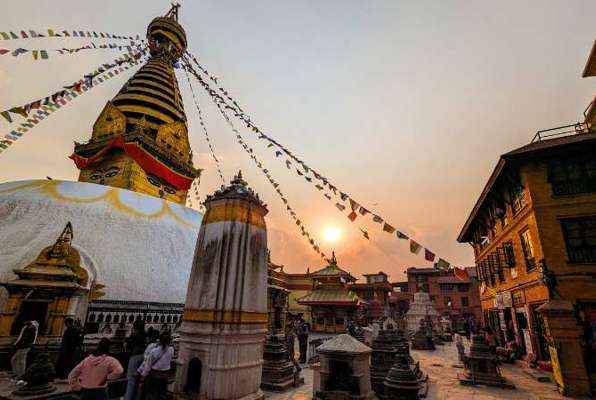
(444, 385)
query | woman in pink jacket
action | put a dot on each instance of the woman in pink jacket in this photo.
(92, 374)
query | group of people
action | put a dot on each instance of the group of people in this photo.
(297, 327)
(68, 355)
(148, 368)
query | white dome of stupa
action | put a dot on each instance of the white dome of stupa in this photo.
(139, 246)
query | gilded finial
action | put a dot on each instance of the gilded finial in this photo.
(58, 250)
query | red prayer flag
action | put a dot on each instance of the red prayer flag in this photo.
(429, 255)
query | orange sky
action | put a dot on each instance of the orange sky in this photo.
(406, 106)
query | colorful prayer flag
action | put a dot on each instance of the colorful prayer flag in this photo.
(377, 219)
(414, 247)
(354, 205)
(43, 54)
(341, 207)
(352, 216)
(365, 233)
(363, 211)
(388, 228)
(19, 110)
(429, 255)
(401, 235)
(6, 115)
(460, 273)
(343, 196)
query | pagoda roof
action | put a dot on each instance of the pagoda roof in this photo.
(331, 296)
(332, 270)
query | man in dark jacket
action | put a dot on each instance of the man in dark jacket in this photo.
(69, 349)
(25, 341)
(136, 343)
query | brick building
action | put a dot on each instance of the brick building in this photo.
(399, 300)
(453, 297)
(375, 294)
(535, 222)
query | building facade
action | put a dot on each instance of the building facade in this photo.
(533, 231)
(455, 298)
(375, 295)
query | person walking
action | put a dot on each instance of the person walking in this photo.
(69, 349)
(135, 344)
(92, 374)
(302, 332)
(22, 346)
(461, 348)
(154, 375)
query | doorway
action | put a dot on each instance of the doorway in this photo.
(193, 376)
(30, 310)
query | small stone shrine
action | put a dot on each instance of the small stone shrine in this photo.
(225, 316)
(481, 366)
(382, 359)
(401, 382)
(421, 308)
(422, 339)
(278, 371)
(39, 377)
(344, 370)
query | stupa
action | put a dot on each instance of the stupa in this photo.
(482, 367)
(421, 308)
(422, 339)
(133, 232)
(225, 315)
(401, 382)
(382, 359)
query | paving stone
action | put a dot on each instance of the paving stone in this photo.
(444, 384)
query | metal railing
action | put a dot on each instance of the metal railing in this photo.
(559, 131)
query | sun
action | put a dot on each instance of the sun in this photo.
(331, 234)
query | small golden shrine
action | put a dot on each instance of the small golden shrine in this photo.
(54, 286)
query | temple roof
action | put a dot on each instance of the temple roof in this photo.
(336, 296)
(333, 270)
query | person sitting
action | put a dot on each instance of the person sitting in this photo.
(93, 373)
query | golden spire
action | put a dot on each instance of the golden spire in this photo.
(140, 140)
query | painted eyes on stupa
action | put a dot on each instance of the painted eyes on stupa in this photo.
(155, 181)
(100, 174)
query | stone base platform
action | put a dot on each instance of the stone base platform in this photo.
(495, 383)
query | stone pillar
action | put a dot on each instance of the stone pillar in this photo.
(565, 349)
(225, 316)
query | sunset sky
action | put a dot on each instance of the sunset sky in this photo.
(406, 106)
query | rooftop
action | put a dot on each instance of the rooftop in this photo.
(338, 296)
(344, 343)
(541, 144)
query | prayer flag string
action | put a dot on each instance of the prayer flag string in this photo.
(48, 105)
(204, 127)
(88, 81)
(44, 54)
(305, 233)
(302, 169)
(54, 33)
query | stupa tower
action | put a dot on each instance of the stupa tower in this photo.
(140, 140)
(225, 315)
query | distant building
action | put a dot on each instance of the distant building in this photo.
(375, 293)
(453, 297)
(331, 303)
(533, 231)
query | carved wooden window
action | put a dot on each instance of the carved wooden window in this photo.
(580, 238)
